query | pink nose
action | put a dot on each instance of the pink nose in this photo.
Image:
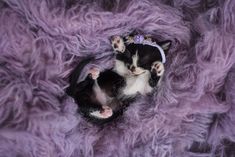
(132, 69)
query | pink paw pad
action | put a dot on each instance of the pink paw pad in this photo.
(106, 112)
(118, 44)
(94, 72)
(158, 67)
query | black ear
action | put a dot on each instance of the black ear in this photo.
(165, 45)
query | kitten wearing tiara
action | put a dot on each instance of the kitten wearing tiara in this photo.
(140, 61)
(139, 67)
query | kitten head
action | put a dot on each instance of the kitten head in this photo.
(134, 66)
(139, 58)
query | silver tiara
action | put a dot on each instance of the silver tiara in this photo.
(140, 39)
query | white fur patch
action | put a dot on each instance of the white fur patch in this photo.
(137, 84)
(120, 68)
(135, 59)
(134, 83)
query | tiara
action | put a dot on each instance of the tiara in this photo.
(145, 40)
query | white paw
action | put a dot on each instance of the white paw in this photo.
(106, 112)
(118, 44)
(103, 114)
(94, 72)
(158, 67)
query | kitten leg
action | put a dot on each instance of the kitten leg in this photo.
(118, 44)
(157, 71)
(106, 112)
(154, 79)
(158, 67)
(94, 72)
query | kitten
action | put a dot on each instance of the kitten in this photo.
(140, 61)
(102, 96)
(98, 96)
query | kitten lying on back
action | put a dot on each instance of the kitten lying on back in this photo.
(99, 95)
(140, 61)
(138, 68)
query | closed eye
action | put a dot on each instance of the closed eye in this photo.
(145, 65)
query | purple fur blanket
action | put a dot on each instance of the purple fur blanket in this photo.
(192, 113)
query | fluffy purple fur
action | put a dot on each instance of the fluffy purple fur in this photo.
(41, 41)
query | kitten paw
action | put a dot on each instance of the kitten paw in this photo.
(118, 44)
(158, 67)
(106, 112)
(94, 72)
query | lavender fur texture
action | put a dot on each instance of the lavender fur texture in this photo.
(191, 114)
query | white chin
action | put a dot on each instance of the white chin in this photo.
(137, 73)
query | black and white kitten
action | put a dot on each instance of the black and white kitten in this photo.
(140, 61)
(102, 96)
(98, 96)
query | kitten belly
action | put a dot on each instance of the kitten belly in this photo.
(139, 84)
(100, 95)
